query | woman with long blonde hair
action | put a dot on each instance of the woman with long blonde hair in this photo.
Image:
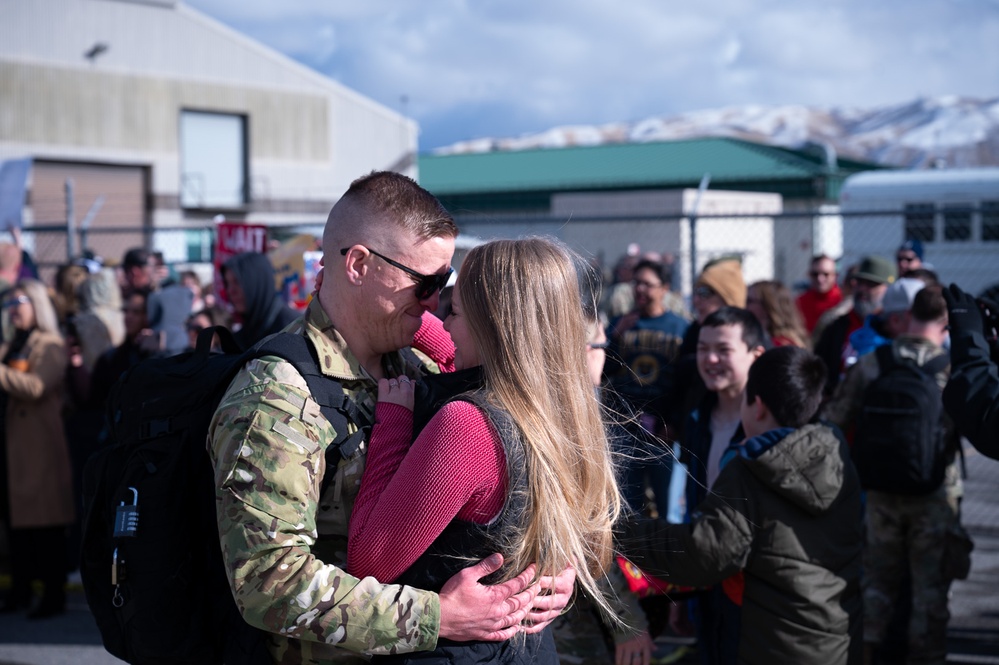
(517, 462)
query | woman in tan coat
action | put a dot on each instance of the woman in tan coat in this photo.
(37, 496)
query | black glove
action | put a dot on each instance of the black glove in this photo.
(964, 314)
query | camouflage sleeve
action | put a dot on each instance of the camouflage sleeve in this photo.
(265, 446)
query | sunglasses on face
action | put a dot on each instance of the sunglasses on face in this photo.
(704, 292)
(426, 285)
(14, 302)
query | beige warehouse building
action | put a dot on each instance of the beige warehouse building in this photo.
(163, 118)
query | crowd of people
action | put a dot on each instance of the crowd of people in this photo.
(862, 569)
(64, 346)
(544, 474)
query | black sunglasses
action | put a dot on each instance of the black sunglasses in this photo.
(426, 285)
(704, 292)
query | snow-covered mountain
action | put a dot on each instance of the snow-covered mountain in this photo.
(956, 131)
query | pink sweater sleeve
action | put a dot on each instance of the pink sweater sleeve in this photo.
(455, 469)
(434, 341)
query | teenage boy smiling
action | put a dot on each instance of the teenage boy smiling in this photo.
(729, 341)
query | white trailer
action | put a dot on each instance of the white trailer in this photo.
(954, 213)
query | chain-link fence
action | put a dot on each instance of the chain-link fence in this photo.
(51, 246)
(775, 246)
(961, 245)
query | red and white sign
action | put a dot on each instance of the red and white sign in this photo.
(232, 238)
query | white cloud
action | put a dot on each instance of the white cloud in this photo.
(529, 65)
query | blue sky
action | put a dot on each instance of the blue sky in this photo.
(471, 68)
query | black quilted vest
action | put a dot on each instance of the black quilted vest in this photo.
(462, 544)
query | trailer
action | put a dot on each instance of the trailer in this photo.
(954, 213)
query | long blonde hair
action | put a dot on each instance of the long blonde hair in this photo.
(522, 304)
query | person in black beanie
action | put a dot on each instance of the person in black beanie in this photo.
(971, 397)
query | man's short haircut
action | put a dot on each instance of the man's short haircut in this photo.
(401, 199)
(929, 277)
(752, 332)
(135, 257)
(822, 257)
(789, 380)
(663, 272)
(929, 305)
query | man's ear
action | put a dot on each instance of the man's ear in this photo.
(759, 409)
(757, 352)
(355, 265)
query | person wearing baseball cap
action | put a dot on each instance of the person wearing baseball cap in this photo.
(874, 274)
(897, 304)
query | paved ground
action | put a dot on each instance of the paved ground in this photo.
(974, 627)
(72, 639)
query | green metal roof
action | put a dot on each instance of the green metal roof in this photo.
(621, 166)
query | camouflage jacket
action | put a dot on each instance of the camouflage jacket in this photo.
(285, 546)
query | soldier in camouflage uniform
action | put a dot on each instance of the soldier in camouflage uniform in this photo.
(283, 544)
(907, 527)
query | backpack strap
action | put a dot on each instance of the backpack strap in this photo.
(886, 358)
(936, 364)
(333, 402)
(227, 342)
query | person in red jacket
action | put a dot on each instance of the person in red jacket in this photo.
(823, 292)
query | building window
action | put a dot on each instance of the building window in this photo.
(990, 221)
(957, 222)
(213, 160)
(919, 222)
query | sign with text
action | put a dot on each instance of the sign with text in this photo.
(232, 238)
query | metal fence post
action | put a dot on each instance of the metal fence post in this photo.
(705, 181)
(70, 222)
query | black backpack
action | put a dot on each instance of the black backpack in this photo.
(899, 446)
(151, 560)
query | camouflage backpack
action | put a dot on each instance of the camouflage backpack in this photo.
(151, 561)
